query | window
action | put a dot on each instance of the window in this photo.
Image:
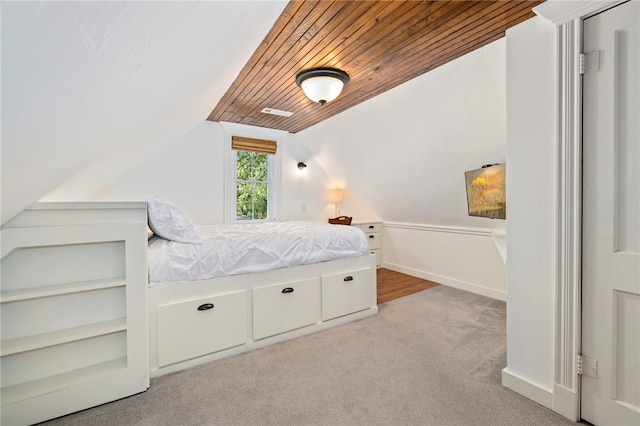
(253, 189)
(252, 186)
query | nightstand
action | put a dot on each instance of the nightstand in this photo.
(373, 232)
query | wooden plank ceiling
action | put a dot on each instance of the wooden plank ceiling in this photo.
(380, 44)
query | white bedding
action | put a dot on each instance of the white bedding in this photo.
(246, 248)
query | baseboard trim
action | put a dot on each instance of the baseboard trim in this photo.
(527, 389)
(451, 282)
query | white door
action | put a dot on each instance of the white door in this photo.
(611, 218)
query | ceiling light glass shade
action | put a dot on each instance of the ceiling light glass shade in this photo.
(322, 85)
(322, 89)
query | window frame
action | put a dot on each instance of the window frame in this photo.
(271, 165)
(230, 170)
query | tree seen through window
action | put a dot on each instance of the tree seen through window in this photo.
(252, 185)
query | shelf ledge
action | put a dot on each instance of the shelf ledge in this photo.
(500, 240)
(46, 385)
(44, 340)
(60, 289)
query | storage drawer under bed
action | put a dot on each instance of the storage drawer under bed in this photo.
(283, 307)
(192, 328)
(346, 293)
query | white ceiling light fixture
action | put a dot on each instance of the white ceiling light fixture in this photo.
(322, 85)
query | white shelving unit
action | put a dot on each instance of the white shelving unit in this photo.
(73, 306)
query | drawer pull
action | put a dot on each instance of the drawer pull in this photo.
(205, 307)
(371, 227)
(348, 278)
(372, 236)
(287, 290)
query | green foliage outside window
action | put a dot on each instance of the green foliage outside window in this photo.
(252, 187)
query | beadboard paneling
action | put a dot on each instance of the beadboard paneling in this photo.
(465, 258)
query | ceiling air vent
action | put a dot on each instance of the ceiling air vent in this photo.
(277, 112)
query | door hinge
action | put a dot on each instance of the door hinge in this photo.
(579, 364)
(586, 366)
(588, 62)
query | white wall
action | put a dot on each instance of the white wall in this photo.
(531, 195)
(402, 155)
(188, 172)
(89, 86)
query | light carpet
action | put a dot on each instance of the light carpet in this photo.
(431, 358)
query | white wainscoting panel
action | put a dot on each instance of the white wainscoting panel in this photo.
(465, 258)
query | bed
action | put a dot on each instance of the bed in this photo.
(220, 290)
(100, 327)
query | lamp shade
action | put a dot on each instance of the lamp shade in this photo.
(336, 196)
(322, 85)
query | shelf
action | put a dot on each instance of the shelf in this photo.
(73, 300)
(60, 289)
(33, 389)
(39, 341)
(500, 240)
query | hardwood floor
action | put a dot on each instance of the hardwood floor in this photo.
(392, 285)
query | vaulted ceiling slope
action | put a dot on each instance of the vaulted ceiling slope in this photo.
(380, 44)
(90, 88)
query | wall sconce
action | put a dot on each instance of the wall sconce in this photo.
(336, 196)
(302, 166)
(322, 85)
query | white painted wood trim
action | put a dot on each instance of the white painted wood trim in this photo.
(88, 205)
(527, 388)
(560, 12)
(53, 213)
(569, 16)
(569, 237)
(451, 282)
(439, 228)
(470, 264)
(565, 401)
(276, 185)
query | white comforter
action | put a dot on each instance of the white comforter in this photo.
(245, 248)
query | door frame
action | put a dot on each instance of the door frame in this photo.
(568, 18)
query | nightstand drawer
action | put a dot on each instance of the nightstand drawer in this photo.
(369, 227)
(373, 233)
(374, 241)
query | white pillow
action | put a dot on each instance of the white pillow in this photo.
(169, 222)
